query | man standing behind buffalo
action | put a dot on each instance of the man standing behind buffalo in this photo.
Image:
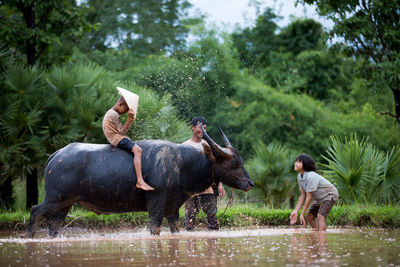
(207, 201)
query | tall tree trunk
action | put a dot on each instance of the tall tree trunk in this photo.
(396, 94)
(29, 17)
(32, 189)
(6, 198)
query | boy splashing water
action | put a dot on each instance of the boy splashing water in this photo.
(115, 133)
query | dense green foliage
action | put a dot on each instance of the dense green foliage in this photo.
(42, 29)
(372, 30)
(275, 91)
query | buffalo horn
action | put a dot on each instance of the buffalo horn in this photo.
(226, 141)
(217, 149)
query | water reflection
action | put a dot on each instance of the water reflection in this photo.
(262, 247)
(311, 248)
(209, 255)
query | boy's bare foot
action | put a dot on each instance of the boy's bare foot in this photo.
(144, 186)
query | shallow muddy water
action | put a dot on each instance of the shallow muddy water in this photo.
(249, 247)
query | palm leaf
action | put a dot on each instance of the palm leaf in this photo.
(390, 184)
(346, 166)
(271, 170)
(373, 172)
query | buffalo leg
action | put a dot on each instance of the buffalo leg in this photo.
(155, 224)
(37, 214)
(33, 220)
(173, 222)
(156, 214)
(56, 220)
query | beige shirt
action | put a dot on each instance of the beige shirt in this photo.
(199, 146)
(320, 188)
(113, 128)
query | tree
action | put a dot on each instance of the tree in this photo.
(323, 74)
(372, 30)
(301, 35)
(244, 46)
(6, 198)
(141, 27)
(257, 112)
(32, 28)
(255, 44)
(21, 113)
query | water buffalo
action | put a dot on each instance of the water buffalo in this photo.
(101, 178)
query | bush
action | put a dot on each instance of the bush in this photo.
(362, 173)
(272, 172)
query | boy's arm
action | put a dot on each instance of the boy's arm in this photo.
(129, 120)
(293, 215)
(301, 199)
(308, 200)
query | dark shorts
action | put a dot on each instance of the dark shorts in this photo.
(126, 144)
(322, 209)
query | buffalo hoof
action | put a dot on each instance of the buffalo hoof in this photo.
(26, 235)
(155, 231)
(53, 234)
(174, 230)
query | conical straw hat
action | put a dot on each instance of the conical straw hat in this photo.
(130, 98)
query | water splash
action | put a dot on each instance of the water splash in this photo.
(79, 235)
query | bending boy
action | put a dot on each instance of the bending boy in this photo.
(316, 187)
(115, 133)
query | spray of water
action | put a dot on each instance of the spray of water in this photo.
(79, 235)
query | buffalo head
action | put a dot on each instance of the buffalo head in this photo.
(227, 163)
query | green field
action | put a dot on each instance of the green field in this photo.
(239, 215)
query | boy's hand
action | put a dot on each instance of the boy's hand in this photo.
(303, 221)
(293, 217)
(221, 191)
(131, 114)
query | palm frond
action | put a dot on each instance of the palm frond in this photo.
(25, 85)
(271, 170)
(346, 166)
(390, 183)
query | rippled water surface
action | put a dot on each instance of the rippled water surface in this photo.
(254, 247)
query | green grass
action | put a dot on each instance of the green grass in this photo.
(359, 215)
(239, 215)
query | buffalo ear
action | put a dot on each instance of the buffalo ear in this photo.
(208, 152)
